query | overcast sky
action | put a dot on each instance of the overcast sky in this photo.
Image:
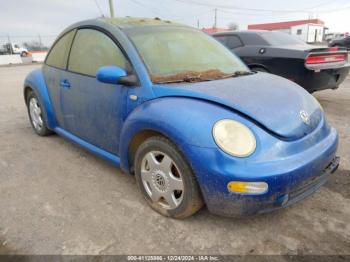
(50, 17)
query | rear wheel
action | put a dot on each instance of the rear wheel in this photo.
(24, 54)
(165, 179)
(36, 117)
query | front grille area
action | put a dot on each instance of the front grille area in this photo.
(304, 190)
(315, 182)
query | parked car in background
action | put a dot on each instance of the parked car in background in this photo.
(344, 42)
(314, 68)
(11, 48)
(334, 36)
(171, 105)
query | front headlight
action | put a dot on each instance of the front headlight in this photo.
(234, 138)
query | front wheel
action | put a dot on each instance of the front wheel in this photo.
(165, 179)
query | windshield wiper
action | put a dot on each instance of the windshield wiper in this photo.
(239, 73)
(243, 73)
(198, 78)
(188, 79)
(192, 78)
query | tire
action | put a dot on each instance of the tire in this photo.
(259, 69)
(37, 120)
(24, 54)
(161, 172)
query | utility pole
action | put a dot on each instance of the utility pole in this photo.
(9, 44)
(215, 17)
(111, 9)
(198, 23)
(40, 42)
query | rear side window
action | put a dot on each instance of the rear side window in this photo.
(253, 39)
(91, 50)
(281, 39)
(221, 39)
(59, 52)
(233, 42)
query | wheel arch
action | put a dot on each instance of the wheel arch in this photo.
(136, 141)
(26, 90)
(128, 156)
(252, 66)
(183, 127)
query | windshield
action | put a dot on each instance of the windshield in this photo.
(279, 39)
(176, 54)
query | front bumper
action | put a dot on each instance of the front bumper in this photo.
(305, 189)
(290, 178)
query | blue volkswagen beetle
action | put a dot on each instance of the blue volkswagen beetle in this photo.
(176, 108)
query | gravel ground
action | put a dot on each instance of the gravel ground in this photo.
(56, 198)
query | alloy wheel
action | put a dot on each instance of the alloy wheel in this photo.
(35, 114)
(162, 179)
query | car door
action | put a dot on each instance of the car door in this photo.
(92, 110)
(53, 68)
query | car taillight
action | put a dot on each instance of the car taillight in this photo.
(321, 59)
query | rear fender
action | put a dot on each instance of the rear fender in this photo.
(35, 80)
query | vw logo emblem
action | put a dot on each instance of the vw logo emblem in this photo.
(160, 180)
(305, 117)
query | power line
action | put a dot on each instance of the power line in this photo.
(242, 13)
(146, 6)
(334, 10)
(159, 13)
(305, 10)
(28, 36)
(323, 4)
(99, 8)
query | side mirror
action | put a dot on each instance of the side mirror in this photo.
(110, 74)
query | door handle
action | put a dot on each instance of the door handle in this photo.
(65, 84)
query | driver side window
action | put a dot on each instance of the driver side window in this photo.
(92, 49)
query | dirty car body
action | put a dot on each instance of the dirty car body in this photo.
(293, 149)
(313, 67)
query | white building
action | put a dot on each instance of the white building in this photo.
(310, 31)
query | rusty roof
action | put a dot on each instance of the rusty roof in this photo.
(137, 21)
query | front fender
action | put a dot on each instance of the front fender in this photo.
(185, 121)
(35, 80)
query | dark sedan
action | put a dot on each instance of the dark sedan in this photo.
(344, 42)
(314, 68)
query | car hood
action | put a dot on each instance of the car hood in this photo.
(275, 103)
